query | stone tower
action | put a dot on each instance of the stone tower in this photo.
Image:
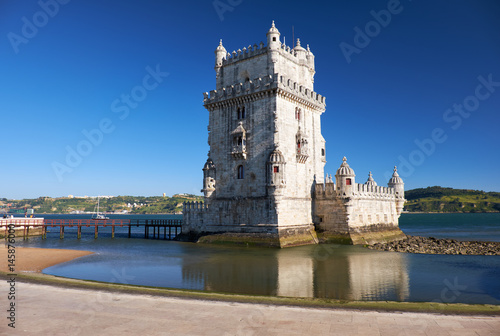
(266, 148)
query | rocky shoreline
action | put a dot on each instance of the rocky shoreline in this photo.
(416, 244)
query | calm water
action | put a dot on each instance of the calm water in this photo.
(327, 271)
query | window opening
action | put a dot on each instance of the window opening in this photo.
(241, 172)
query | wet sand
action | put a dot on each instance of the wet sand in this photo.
(36, 259)
(49, 310)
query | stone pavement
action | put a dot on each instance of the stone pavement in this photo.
(48, 310)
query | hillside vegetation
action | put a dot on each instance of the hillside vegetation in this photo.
(430, 199)
(439, 199)
(118, 204)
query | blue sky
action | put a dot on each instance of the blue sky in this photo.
(419, 88)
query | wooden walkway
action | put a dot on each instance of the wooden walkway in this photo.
(171, 227)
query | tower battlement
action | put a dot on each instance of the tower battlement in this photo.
(241, 54)
(360, 190)
(276, 81)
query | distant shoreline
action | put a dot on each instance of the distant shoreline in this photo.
(177, 213)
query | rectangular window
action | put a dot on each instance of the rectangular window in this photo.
(276, 169)
(348, 181)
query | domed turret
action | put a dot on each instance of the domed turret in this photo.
(344, 169)
(220, 55)
(344, 178)
(273, 37)
(208, 179)
(299, 51)
(396, 182)
(371, 182)
(276, 171)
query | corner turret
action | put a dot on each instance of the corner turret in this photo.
(208, 179)
(310, 62)
(345, 179)
(396, 182)
(220, 55)
(276, 173)
(273, 38)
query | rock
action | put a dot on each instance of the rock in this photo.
(431, 245)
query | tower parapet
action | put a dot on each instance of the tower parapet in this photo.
(267, 85)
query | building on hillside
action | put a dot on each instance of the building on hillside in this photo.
(263, 181)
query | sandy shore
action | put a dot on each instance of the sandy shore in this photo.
(49, 310)
(36, 259)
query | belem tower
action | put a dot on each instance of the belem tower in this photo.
(263, 181)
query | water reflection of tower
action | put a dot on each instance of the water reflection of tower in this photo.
(357, 274)
(233, 271)
(378, 275)
(295, 273)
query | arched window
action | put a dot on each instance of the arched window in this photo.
(241, 172)
(241, 113)
(240, 141)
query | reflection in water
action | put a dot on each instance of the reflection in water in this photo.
(303, 272)
(378, 275)
(295, 274)
(235, 271)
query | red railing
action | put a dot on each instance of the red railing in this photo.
(86, 222)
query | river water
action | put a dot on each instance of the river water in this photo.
(324, 271)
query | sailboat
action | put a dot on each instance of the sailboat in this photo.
(97, 215)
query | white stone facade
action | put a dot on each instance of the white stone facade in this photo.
(359, 211)
(267, 153)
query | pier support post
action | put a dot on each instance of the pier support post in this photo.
(129, 230)
(79, 232)
(112, 231)
(61, 232)
(95, 231)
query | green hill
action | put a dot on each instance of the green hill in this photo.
(439, 199)
(131, 204)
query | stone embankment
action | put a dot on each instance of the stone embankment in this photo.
(416, 244)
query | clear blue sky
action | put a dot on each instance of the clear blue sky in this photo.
(71, 70)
